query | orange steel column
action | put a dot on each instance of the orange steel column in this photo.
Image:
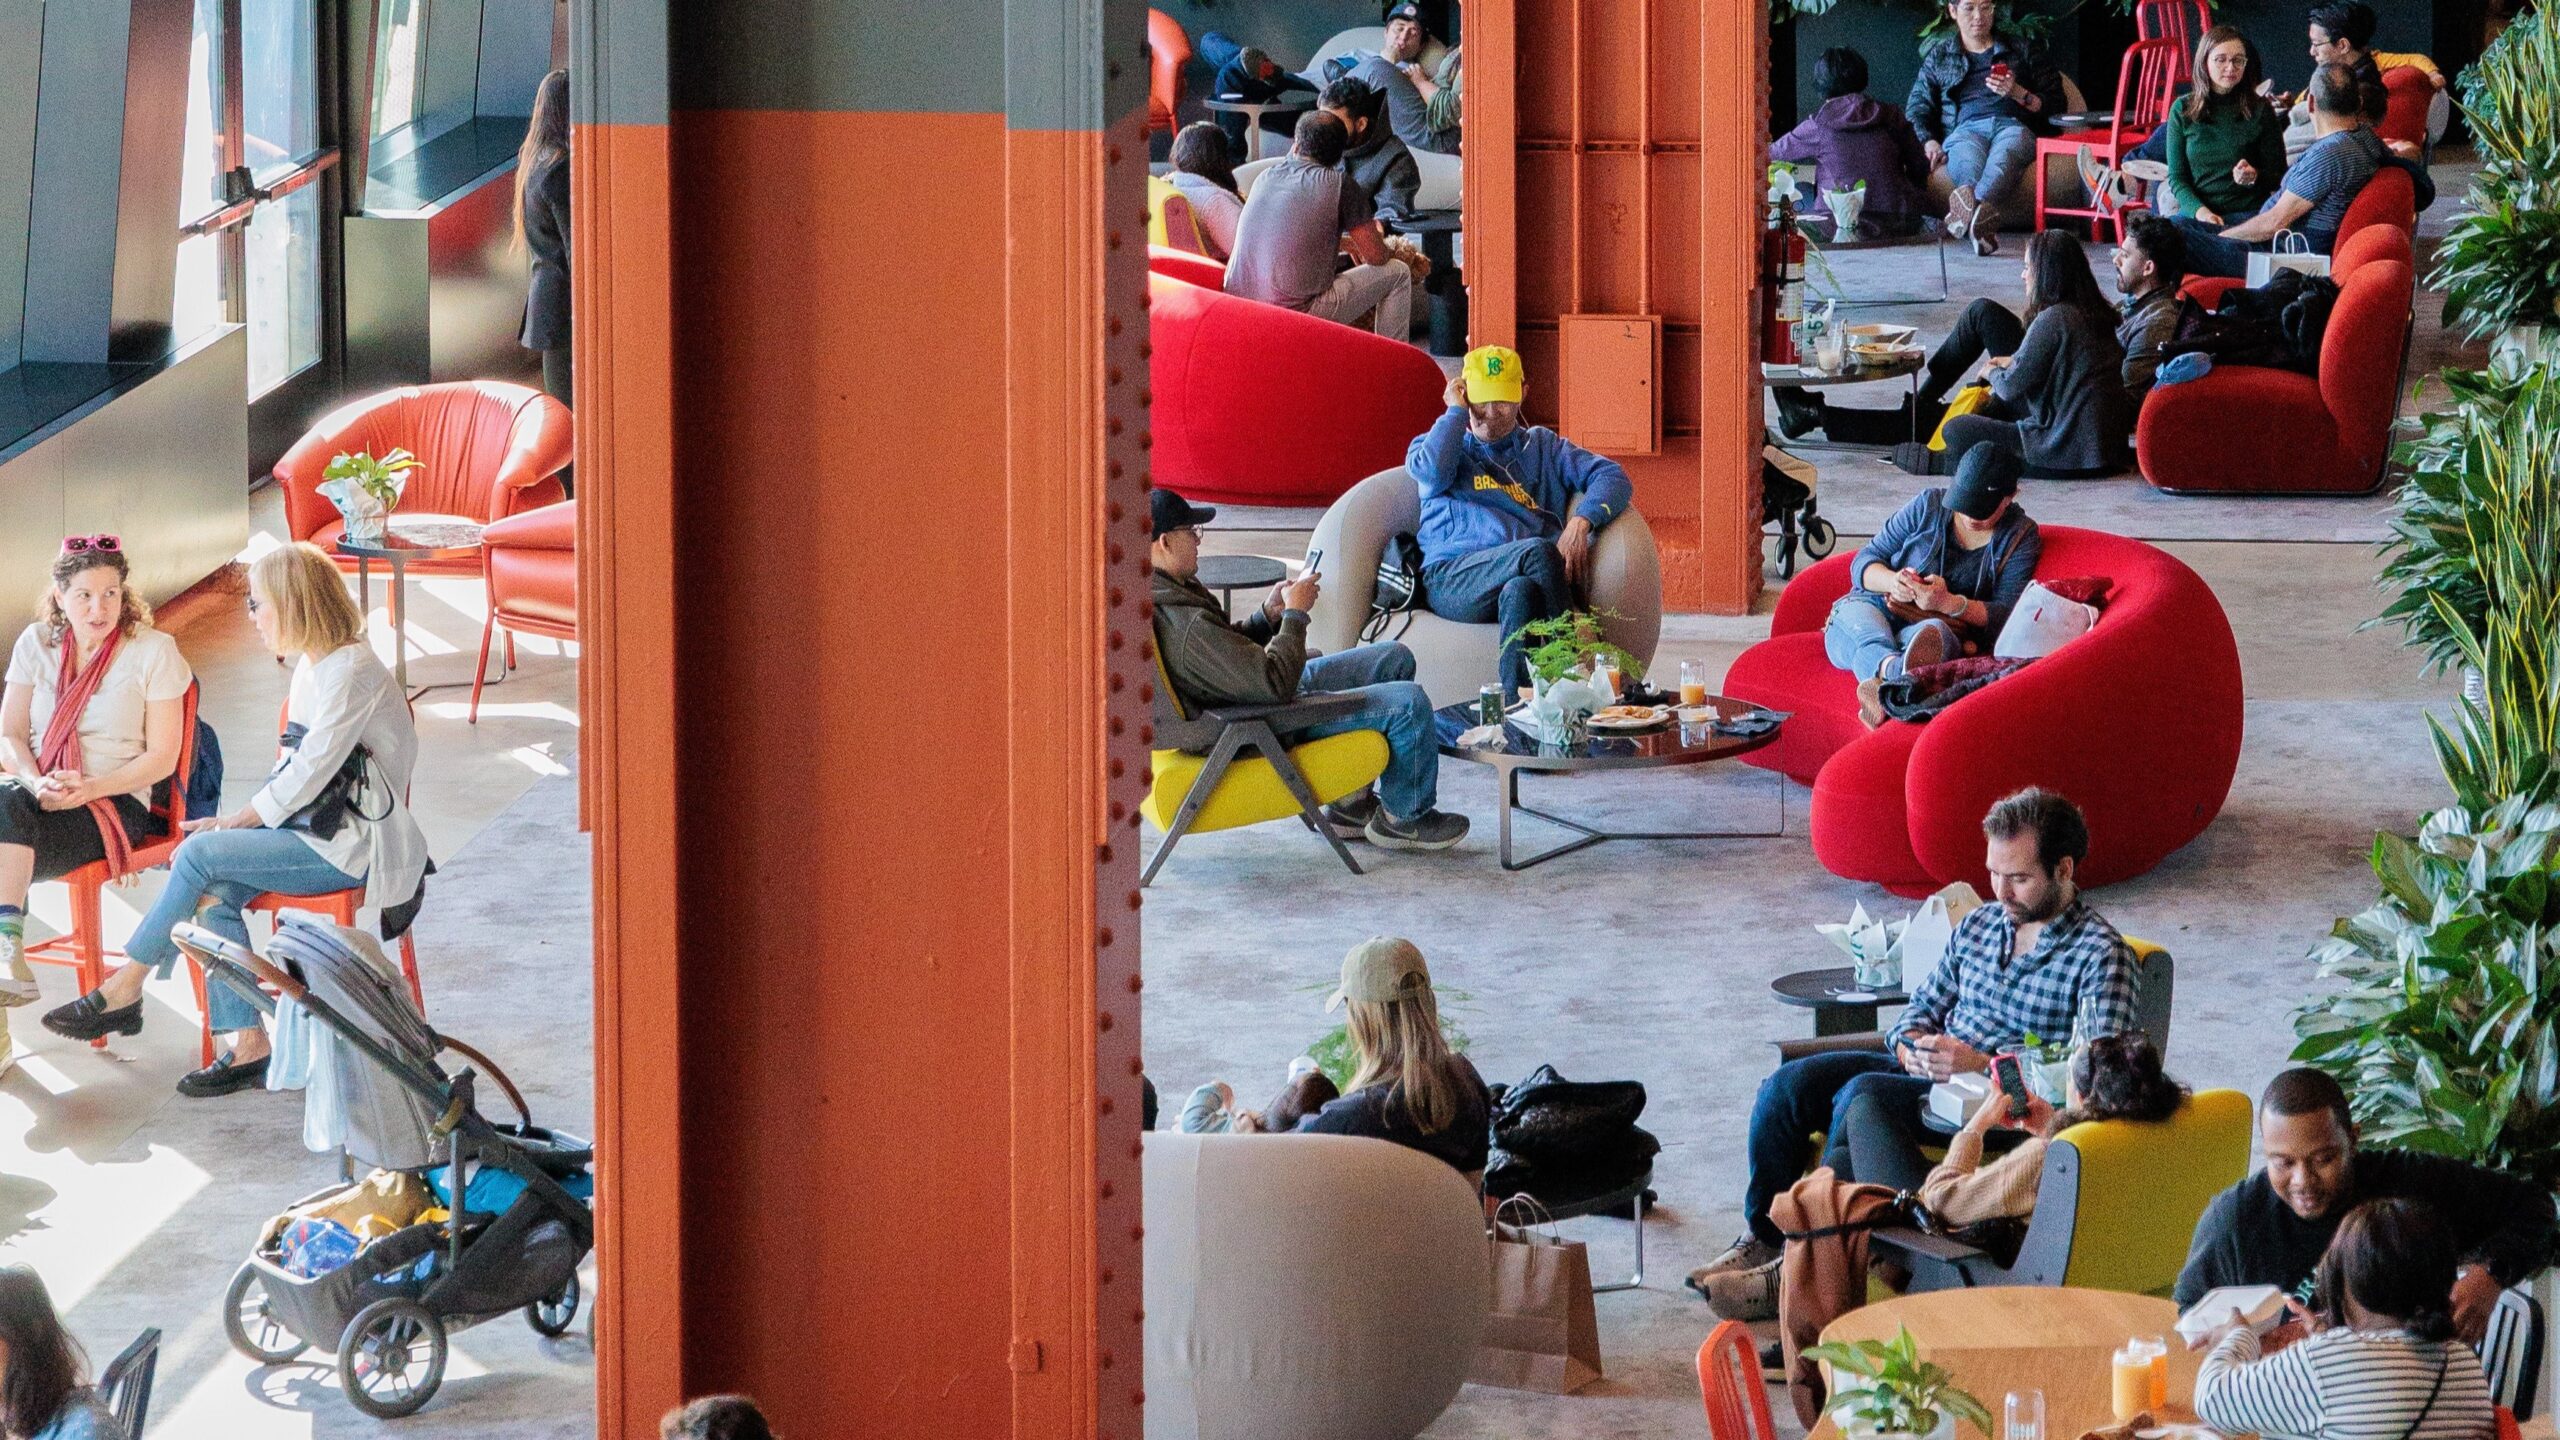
(1614, 149)
(861, 429)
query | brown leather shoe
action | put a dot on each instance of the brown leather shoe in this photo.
(1871, 701)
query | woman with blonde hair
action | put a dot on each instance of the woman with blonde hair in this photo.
(1410, 1087)
(334, 814)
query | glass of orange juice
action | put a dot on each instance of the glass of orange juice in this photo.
(2132, 1381)
(2158, 1346)
(1693, 683)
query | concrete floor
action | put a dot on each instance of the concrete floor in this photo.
(1649, 961)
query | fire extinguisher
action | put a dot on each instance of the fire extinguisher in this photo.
(1781, 282)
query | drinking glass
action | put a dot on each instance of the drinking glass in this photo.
(2023, 1415)
(1830, 349)
(2131, 1377)
(2157, 1346)
(1693, 683)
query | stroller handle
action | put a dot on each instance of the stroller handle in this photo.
(216, 954)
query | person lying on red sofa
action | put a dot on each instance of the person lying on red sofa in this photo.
(1945, 570)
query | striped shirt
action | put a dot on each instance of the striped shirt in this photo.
(2345, 1384)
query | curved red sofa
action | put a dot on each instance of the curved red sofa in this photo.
(2138, 722)
(2412, 94)
(2390, 199)
(2320, 435)
(1257, 405)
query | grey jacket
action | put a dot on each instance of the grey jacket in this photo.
(1385, 171)
(1931, 105)
(2150, 323)
(1214, 661)
(2066, 388)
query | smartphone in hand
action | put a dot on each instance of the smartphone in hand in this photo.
(2012, 1079)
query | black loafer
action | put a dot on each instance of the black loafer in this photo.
(88, 1018)
(222, 1077)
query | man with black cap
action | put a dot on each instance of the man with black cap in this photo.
(1212, 660)
(1942, 573)
(1398, 72)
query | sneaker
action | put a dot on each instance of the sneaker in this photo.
(1744, 1294)
(1747, 1252)
(1960, 211)
(1349, 816)
(1430, 830)
(2150, 172)
(1928, 645)
(2099, 180)
(1914, 457)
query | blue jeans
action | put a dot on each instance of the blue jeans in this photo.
(1509, 584)
(2209, 252)
(229, 868)
(1382, 676)
(1811, 1094)
(1861, 635)
(1996, 156)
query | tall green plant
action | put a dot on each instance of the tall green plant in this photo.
(2430, 555)
(2499, 264)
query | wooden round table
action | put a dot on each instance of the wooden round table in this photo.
(2009, 1338)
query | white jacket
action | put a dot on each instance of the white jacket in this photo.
(341, 700)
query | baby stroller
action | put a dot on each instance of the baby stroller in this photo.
(512, 1224)
(1787, 501)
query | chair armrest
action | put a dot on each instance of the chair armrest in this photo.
(1926, 1246)
(1870, 1043)
(1289, 714)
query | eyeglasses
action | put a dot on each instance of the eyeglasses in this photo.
(81, 544)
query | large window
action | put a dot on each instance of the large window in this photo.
(252, 203)
(399, 56)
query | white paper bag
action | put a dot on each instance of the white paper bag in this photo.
(2041, 623)
(2290, 250)
(1925, 939)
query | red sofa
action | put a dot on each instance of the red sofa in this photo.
(1257, 405)
(2138, 722)
(2327, 434)
(2412, 95)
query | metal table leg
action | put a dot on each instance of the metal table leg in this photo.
(400, 623)
(1507, 800)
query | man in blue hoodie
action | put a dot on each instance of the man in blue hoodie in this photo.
(1504, 537)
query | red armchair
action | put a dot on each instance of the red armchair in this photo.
(533, 582)
(1257, 405)
(2412, 94)
(1187, 265)
(487, 450)
(1168, 50)
(2325, 434)
(2138, 722)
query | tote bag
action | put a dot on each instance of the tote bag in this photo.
(1540, 1332)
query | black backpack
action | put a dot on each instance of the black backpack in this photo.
(2279, 325)
(1399, 589)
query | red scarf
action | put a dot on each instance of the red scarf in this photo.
(73, 688)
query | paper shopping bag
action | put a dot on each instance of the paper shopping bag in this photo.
(1925, 939)
(2290, 250)
(1541, 1333)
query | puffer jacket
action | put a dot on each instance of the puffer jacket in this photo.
(1932, 103)
(1215, 661)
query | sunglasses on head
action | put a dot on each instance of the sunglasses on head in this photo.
(79, 544)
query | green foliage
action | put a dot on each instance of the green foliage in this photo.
(1332, 1050)
(2447, 991)
(377, 478)
(2514, 110)
(2499, 264)
(1563, 644)
(2430, 554)
(1901, 1393)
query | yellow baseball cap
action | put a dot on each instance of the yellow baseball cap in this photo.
(1493, 373)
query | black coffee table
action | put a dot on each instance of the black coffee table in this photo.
(1227, 574)
(1671, 744)
(1827, 993)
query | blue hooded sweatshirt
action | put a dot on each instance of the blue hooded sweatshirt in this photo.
(1476, 496)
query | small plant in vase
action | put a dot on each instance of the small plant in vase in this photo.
(365, 490)
(2048, 1065)
(1561, 653)
(1883, 1387)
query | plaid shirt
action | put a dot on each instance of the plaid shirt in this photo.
(2079, 979)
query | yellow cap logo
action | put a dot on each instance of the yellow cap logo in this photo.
(1493, 373)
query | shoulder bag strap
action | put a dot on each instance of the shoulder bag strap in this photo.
(2443, 1359)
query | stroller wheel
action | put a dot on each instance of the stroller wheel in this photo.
(392, 1357)
(554, 1313)
(254, 1329)
(1819, 537)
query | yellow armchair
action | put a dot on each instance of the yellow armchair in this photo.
(1202, 779)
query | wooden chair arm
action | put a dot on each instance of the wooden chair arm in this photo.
(1871, 1042)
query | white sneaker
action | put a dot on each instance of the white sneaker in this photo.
(1747, 1252)
(1744, 1294)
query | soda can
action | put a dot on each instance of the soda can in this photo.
(1489, 705)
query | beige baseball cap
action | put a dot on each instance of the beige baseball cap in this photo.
(1379, 969)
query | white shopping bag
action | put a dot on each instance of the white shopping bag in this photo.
(2290, 250)
(1925, 939)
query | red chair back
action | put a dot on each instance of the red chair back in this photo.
(2389, 198)
(1169, 49)
(1729, 1383)
(486, 449)
(2508, 1429)
(2412, 95)
(2360, 359)
(2146, 85)
(2184, 21)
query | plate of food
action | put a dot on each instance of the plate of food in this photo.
(1896, 336)
(1629, 717)
(1879, 353)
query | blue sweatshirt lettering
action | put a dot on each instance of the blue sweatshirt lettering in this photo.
(1476, 496)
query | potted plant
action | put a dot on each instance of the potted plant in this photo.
(365, 489)
(2499, 263)
(1883, 1388)
(2048, 1067)
(1560, 652)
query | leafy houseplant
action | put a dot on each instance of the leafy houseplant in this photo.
(2499, 264)
(365, 489)
(1902, 1394)
(2430, 554)
(1566, 644)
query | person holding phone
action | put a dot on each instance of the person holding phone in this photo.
(1979, 101)
(1943, 573)
(1212, 660)
(2041, 961)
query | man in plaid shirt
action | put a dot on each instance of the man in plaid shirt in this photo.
(2038, 961)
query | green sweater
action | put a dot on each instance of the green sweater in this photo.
(2203, 152)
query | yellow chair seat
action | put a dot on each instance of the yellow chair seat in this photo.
(1251, 792)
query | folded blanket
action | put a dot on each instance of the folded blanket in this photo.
(1924, 690)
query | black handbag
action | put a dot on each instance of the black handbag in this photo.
(1549, 1118)
(1399, 587)
(343, 796)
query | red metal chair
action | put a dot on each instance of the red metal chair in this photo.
(84, 950)
(487, 449)
(1168, 50)
(532, 575)
(2184, 21)
(2146, 85)
(1729, 1383)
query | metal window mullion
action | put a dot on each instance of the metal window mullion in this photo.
(235, 158)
